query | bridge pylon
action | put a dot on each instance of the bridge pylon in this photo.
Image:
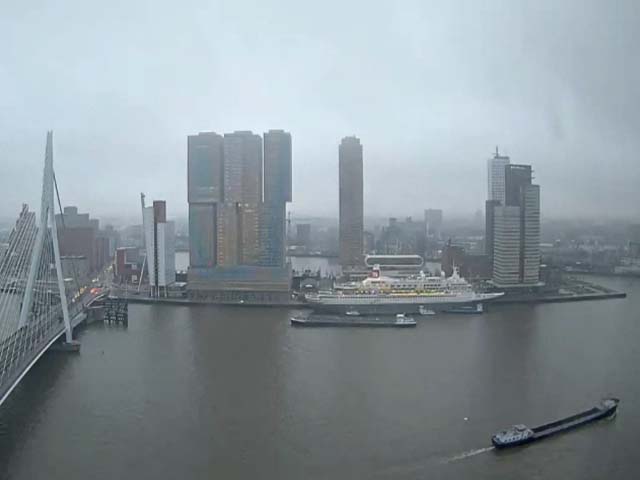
(47, 228)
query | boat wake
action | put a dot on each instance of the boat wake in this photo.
(470, 453)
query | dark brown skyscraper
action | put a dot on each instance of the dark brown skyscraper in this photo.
(351, 202)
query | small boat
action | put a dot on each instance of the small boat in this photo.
(422, 310)
(521, 434)
(352, 313)
(466, 309)
(402, 320)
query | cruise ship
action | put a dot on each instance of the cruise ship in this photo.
(378, 294)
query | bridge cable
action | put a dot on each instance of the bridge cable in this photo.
(73, 263)
(23, 240)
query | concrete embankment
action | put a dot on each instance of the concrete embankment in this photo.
(559, 298)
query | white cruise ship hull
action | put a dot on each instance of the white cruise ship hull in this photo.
(392, 304)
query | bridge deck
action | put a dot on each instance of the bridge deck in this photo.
(37, 341)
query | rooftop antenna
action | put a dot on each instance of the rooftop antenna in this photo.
(497, 154)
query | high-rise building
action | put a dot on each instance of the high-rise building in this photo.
(516, 177)
(242, 167)
(80, 236)
(238, 221)
(489, 223)
(516, 230)
(277, 192)
(402, 238)
(506, 250)
(495, 177)
(530, 263)
(203, 234)
(495, 196)
(351, 202)
(205, 160)
(303, 234)
(277, 166)
(433, 222)
(159, 239)
(237, 217)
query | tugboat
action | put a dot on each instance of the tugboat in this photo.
(521, 434)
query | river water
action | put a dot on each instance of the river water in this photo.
(235, 392)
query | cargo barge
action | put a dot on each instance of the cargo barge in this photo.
(521, 434)
(397, 321)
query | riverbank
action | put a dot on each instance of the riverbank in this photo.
(559, 298)
(187, 301)
(571, 290)
(595, 292)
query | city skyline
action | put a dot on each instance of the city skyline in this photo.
(435, 110)
(328, 239)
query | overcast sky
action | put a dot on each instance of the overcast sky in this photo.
(429, 87)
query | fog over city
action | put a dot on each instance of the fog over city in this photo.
(429, 89)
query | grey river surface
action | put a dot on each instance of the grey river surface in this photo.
(210, 392)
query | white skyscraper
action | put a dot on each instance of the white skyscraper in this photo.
(159, 239)
(495, 177)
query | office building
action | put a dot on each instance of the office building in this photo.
(277, 192)
(204, 167)
(433, 223)
(530, 237)
(516, 177)
(351, 203)
(237, 217)
(506, 256)
(489, 223)
(495, 196)
(495, 177)
(112, 237)
(159, 239)
(238, 220)
(79, 235)
(369, 242)
(516, 230)
(75, 269)
(303, 234)
(402, 238)
(277, 167)
(127, 265)
(205, 160)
